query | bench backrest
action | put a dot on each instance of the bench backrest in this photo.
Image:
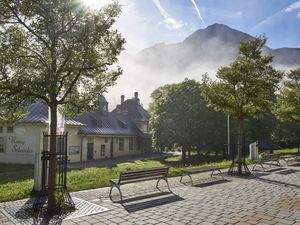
(274, 157)
(142, 175)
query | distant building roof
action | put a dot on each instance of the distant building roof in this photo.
(109, 124)
(120, 122)
(134, 110)
(38, 113)
(266, 145)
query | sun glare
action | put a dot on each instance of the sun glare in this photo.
(96, 4)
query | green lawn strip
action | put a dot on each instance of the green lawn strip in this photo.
(15, 190)
(19, 186)
(287, 151)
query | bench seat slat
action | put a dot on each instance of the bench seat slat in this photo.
(201, 170)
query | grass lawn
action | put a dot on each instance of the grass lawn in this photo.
(287, 151)
(14, 186)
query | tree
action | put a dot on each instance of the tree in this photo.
(60, 52)
(288, 101)
(244, 89)
(179, 117)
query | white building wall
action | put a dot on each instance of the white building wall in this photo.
(22, 144)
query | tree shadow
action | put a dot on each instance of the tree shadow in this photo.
(194, 160)
(26, 215)
(149, 201)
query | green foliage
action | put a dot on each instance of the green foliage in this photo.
(288, 106)
(57, 51)
(245, 89)
(180, 118)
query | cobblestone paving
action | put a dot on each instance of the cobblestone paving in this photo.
(263, 198)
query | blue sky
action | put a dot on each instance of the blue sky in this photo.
(146, 22)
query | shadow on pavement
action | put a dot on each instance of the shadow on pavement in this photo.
(210, 183)
(277, 182)
(289, 171)
(149, 201)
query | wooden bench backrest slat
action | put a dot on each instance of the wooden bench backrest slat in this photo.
(140, 175)
(271, 156)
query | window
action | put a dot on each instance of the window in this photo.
(102, 152)
(131, 143)
(116, 140)
(2, 144)
(1, 129)
(121, 144)
(10, 129)
(106, 140)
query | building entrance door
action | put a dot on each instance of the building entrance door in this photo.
(90, 151)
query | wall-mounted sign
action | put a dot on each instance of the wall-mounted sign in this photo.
(74, 150)
(19, 146)
(20, 130)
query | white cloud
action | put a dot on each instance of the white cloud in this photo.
(293, 6)
(170, 22)
(198, 12)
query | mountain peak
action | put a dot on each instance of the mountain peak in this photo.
(219, 31)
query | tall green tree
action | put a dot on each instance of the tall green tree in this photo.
(180, 117)
(288, 100)
(60, 52)
(244, 89)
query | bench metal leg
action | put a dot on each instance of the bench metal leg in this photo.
(188, 176)
(212, 173)
(118, 187)
(166, 180)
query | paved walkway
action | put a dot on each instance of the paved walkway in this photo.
(264, 198)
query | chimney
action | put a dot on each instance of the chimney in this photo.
(136, 97)
(103, 104)
(122, 98)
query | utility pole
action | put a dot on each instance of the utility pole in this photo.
(228, 135)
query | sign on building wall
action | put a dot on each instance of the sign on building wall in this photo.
(74, 150)
(20, 145)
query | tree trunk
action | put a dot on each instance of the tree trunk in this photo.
(239, 144)
(52, 161)
(189, 153)
(183, 152)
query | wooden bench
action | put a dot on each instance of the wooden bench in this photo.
(189, 172)
(134, 176)
(288, 159)
(267, 159)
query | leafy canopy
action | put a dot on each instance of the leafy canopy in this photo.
(57, 51)
(179, 117)
(288, 106)
(244, 89)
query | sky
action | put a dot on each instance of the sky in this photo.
(144, 23)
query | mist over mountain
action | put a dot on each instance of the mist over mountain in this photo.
(217, 45)
(204, 51)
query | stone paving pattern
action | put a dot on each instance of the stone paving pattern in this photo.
(263, 198)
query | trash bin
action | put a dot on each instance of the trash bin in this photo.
(254, 150)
